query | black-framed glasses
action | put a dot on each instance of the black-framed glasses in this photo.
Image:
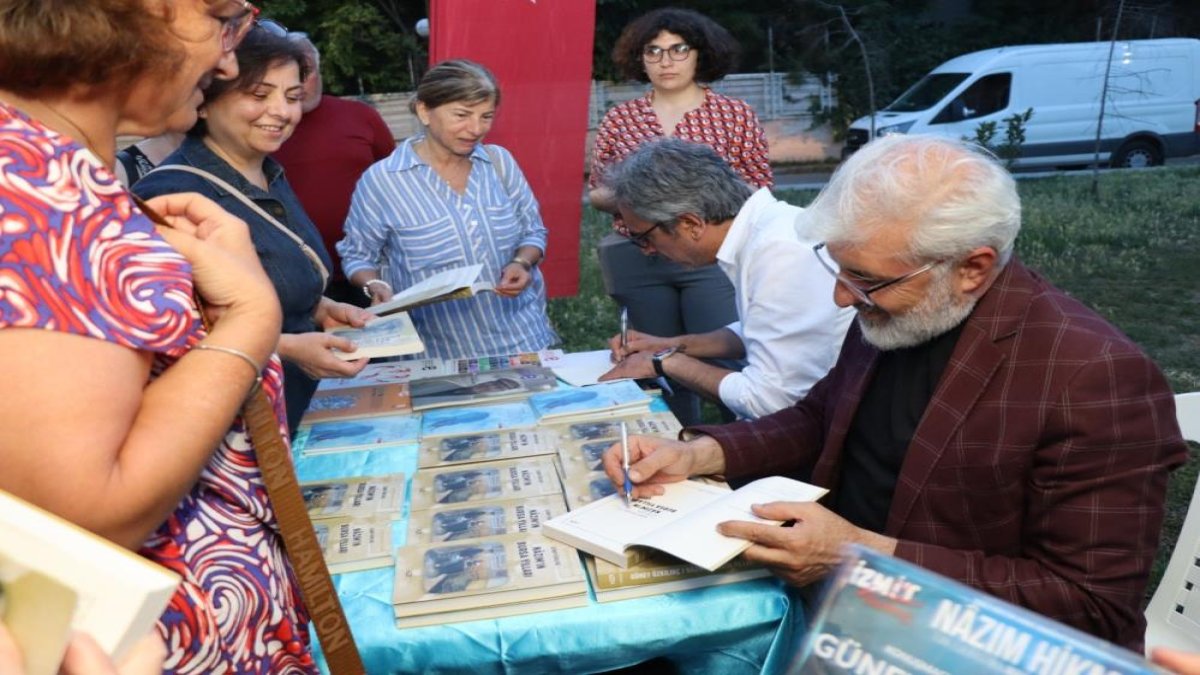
(677, 52)
(642, 239)
(234, 28)
(861, 288)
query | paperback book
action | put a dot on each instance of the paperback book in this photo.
(583, 488)
(360, 434)
(647, 424)
(487, 447)
(572, 404)
(486, 481)
(477, 419)
(51, 570)
(451, 284)
(357, 402)
(384, 372)
(394, 335)
(458, 522)
(358, 497)
(481, 387)
(682, 521)
(659, 573)
(880, 614)
(484, 578)
(353, 544)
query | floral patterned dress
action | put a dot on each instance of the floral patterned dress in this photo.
(77, 256)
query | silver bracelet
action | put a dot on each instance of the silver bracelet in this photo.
(367, 286)
(241, 355)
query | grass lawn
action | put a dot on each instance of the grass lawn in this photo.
(1133, 255)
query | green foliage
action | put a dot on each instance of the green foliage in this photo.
(1014, 136)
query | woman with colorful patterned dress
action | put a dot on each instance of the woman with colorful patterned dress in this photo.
(675, 50)
(122, 413)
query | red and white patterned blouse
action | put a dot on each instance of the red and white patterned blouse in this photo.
(727, 125)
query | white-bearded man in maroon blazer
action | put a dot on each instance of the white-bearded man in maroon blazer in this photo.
(978, 422)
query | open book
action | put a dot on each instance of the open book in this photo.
(682, 521)
(452, 284)
(119, 594)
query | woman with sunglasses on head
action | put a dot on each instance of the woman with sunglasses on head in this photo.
(123, 408)
(676, 51)
(444, 200)
(244, 120)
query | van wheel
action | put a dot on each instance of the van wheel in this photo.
(1136, 154)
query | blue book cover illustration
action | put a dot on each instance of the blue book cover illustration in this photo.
(579, 401)
(477, 419)
(884, 615)
(344, 435)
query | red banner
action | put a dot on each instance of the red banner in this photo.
(541, 52)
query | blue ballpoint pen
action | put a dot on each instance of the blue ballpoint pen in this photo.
(625, 463)
(624, 330)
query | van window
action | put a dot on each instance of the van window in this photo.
(989, 94)
(927, 92)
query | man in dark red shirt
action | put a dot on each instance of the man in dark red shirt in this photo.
(335, 142)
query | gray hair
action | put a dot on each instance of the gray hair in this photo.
(665, 179)
(954, 195)
(456, 80)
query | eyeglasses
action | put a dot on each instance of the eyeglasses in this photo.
(861, 288)
(642, 239)
(678, 52)
(234, 28)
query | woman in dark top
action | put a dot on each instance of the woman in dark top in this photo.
(241, 123)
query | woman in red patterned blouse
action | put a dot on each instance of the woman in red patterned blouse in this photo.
(674, 50)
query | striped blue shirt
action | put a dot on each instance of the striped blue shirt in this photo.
(407, 223)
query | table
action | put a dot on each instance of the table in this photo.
(749, 627)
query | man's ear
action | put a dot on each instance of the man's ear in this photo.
(691, 226)
(976, 270)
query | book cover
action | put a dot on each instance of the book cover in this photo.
(353, 544)
(360, 434)
(483, 364)
(120, 594)
(357, 497)
(487, 447)
(477, 419)
(582, 489)
(881, 614)
(357, 402)
(682, 521)
(647, 424)
(451, 284)
(458, 522)
(485, 572)
(578, 403)
(659, 573)
(384, 372)
(583, 369)
(393, 335)
(486, 481)
(481, 387)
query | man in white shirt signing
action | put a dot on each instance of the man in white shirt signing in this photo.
(682, 201)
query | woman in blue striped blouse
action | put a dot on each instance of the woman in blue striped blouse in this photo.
(444, 200)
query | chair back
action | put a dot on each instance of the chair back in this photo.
(1173, 616)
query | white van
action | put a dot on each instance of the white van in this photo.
(1153, 108)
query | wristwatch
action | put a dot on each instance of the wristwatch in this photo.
(660, 356)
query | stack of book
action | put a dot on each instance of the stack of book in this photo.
(353, 519)
(475, 547)
(400, 372)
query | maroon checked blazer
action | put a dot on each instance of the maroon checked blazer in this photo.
(1038, 470)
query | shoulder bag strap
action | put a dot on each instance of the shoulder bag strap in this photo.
(223, 184)
(494, 155)
(299, 538)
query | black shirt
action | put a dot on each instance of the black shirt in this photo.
(887, 417)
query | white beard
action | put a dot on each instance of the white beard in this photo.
(936, 313)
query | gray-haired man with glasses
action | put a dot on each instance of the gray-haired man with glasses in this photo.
(979, 421)
(682, 201)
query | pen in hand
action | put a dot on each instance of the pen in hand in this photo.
(625, 463)
(624, 331)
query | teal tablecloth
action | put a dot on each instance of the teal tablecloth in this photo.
(749, 627)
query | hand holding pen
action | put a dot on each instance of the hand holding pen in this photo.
(624, 332)
(625, 463)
